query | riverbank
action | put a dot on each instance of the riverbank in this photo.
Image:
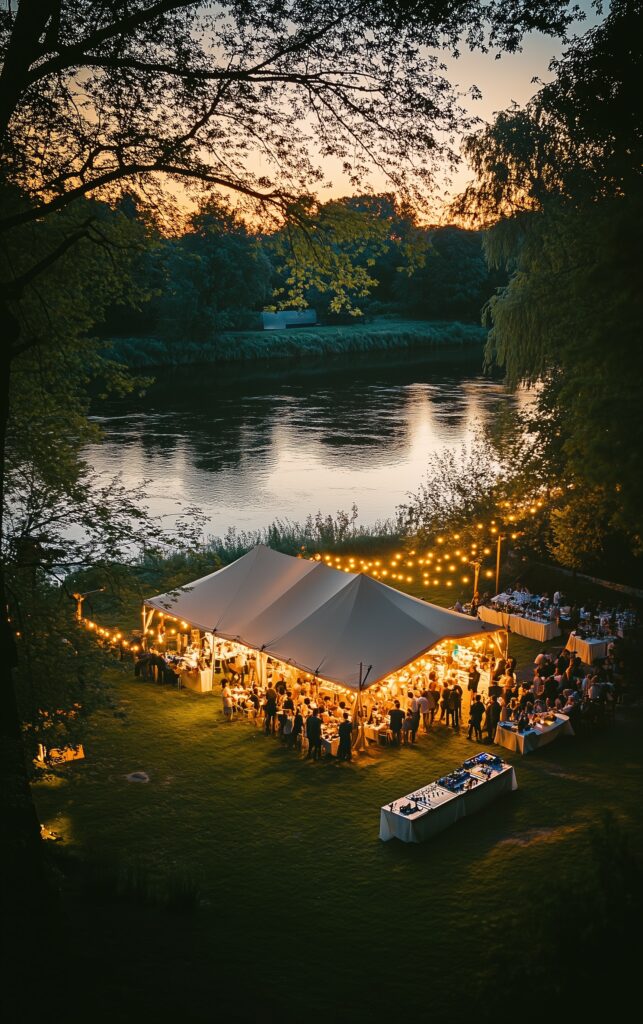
(301, 343)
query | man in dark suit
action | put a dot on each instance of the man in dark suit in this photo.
(314, 735)
(492, 718)
(345, 739)
(395, 719)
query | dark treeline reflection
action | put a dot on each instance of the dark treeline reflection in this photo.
(251, 442)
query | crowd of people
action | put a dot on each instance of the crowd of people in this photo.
(307, 719)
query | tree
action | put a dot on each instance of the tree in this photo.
(560, 184)
(454, 281)
(95, 97)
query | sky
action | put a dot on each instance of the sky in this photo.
(503, 81)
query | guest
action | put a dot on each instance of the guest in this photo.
(474, 679)
(407, 727)
(476, 714)
(297, 727)
(314, 735)
(228, 701)
(455, 704)
(345, 738)
(270, 709)
(492, 718)
(395, 719)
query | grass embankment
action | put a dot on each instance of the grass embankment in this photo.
(300, 343)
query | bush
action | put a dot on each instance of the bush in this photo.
(380, 335)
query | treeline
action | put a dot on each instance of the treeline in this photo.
(218, 274)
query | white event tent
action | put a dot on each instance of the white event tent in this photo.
(318, 619)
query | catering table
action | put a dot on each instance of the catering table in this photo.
(532, 628)
(588, 651)
(330, 746)
(538, 736)
(376, 733)
(437, 807)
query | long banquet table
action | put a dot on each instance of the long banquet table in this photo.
(588, 651)
(538, 736)
(445, 807)
(532, 628)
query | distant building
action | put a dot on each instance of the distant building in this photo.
(288, 318)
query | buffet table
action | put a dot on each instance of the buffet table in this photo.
(539, 735)
(433, 808)
(532, 628)
(588, 651)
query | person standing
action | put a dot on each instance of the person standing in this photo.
(445, 704)
(395, 719)
(455, 704)
(297, 727)
(476, 714)
(433, 697)
(314, 735)
(474, 679)
(345, 730)
(270, 709)
(424, 708)
(492, 718)
(228, 701)
(414, 708)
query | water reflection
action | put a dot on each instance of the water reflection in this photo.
(249, 444)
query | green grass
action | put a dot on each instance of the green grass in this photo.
(298, 894)
(297, 898)
(300, 343)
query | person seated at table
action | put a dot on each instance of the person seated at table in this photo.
(551, 688)
(408, 731)
(523, 721)
(527, 695)
(297, 729)
(395, 719)
(495, 690)
(513, 710)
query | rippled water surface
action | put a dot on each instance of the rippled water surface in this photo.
(251, 444)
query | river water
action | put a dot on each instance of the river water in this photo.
(253, 443)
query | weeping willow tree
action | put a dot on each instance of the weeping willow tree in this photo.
(559, 189)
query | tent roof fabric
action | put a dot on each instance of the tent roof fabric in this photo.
(319, 619)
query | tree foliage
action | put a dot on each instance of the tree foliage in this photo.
(564, 178)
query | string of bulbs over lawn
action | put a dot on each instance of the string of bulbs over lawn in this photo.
(437, 566)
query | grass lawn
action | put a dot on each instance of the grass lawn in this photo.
(304, 913)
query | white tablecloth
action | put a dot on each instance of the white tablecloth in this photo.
(330, 746)
(448, 808)
(541, 631)
(588, 651)
(375, 733)
(539, 736)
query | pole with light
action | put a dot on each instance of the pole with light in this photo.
(79, 598)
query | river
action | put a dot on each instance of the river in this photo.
(253, 443)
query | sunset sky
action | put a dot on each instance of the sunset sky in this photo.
(503, 81)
